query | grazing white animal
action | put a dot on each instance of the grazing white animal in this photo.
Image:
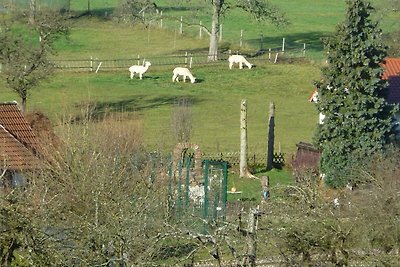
(185, 72)
(238, 59)
(139, 69)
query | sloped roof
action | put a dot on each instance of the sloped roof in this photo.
(14, 155)
(391, 73)
(19, 148)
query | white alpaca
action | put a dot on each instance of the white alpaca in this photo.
(139, 69)
(238, 59)
(185, 72)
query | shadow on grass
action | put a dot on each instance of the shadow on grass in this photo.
(101, 13)
(313, 41)
(222, 48)
(100, 110)
(181, 8)
(106, 13)
(147, 77)
(199, 80)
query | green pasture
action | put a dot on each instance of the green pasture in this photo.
(216, 97)
(215, 102)
(93, 37)
(309, 22)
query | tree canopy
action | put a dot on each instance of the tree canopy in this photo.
(358, 120)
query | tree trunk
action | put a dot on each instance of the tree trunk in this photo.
(271, 136)
(23, 104)
(88, 6)
(244, 170)
(32, 11)
(243, 138)
(252, 237)
(213, 49)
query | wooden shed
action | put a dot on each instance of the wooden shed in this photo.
(306, 158)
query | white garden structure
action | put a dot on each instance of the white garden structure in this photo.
(139, 69)
(238, 59)
(185, 72)
(314, 99)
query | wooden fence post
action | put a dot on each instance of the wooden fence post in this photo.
(174, 38)
(181, 26)
(220, 32)
(276, 57)
(98, 67)
(271, 137)
(201, 30)
(283, 45)
(241, 38)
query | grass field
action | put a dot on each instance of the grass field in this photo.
(215, 102)
(216, 98)
(309, 21)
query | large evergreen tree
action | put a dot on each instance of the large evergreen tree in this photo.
(358, 120)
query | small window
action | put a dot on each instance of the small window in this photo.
(17, 180)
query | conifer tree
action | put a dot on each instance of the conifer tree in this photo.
(358, 120)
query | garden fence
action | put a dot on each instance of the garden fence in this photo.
(204, 194)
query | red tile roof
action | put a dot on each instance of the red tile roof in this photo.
(19, 148)
(14, 155)
(391, 73)
(391, 67)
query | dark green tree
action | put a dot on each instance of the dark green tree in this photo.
(359, 121)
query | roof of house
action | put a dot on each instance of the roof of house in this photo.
(19, 148)
(391, 73)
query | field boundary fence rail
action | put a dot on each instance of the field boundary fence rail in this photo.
(187, 59)
(252, 158)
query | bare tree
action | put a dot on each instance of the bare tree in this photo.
(104, 206)
(136, 11)
(260, 10)
(182, 124)
(25, 59)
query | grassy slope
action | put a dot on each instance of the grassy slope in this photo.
(114, 41)
(216, 98)
(216, 101)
